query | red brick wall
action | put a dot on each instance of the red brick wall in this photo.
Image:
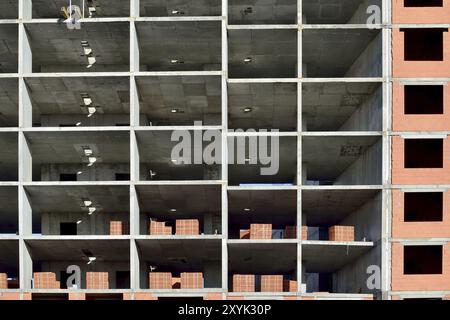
(418, 122)
(401, 14)
(420, 229)
(402, 175)
(402, 282)
(402, 68)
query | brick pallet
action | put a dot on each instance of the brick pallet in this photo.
(191, 280)
(118, 228)
(289, 286)
(271, 283)
(260, 231)
(290, 232)
(97, 280)
(3, 281)
(341, 233)
(304, 233)
(45, 280)
(160, 280)
(160, 228)
(243, 283)
(187, 227)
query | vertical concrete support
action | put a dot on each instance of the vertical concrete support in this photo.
(299, 143)
(25, 213)
(134, 48)
(134, 265)
(25, 266)
(134, 157)
(25, 106)
(25, 9)
(25, 54)
(134, 8)
(134, 212)
(25, 163)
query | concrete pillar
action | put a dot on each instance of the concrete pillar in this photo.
(134, 265)
(25, 266)
(25, 9)
(25, 54)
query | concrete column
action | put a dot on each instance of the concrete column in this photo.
(134, 265)
(134, 48)
(25, 106)
(134, 8)
(25, 266)
(134, 212)
(25, 163)
(25, 54)
(25, 9)
(25, 213)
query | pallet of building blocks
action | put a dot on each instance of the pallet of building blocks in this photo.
(243, 283)
(45, 280)
(3, 281)
(159, 228)
(160, 280)
(187, 227)
(289, 286)
(271, 283)
(191, 280)
(304, 233)
(260, 231)
(118, 228)
(97, 280)
(341, 233)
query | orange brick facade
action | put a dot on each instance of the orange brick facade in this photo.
(402, 14)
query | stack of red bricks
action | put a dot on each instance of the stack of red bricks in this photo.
(160, 228)
(187, 227)
(3, 281)
(304, 233)
(191, 280)
(271, 283)
(118, 228)
(260, 231)
(244, 283)
(290, 232)
(160, 280)
(289, 286)
(97, 280)
(341, 233)
(46, 280)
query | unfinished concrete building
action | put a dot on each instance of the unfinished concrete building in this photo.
(355, 94)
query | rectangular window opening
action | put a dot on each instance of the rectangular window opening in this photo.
(423, 3)
(426, 44)
(422, 260)
(424, 99)
(424, 153)
(423, 206)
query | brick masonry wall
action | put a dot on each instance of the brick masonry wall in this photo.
(418, 122)
(402, 14)
(426, 282)
(420, 229)
(402, 175)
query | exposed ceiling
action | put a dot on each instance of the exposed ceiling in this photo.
(9, 105)
(155, 151)
(9, 48)
(9, 210)
(9, 9)
(286, 159)
(335, 11)
(274, 106)
(197, 98)
(262, 11)
(196, 44)
(164, 8)
(187, 200)
(330, 258)
(262, 258)
(326, 157)
(71, 250)
(322, 46)
(273, 53)
(326, 106)
(66, 147)
(62, 96)
(58, 49)
(329, 207)
(105, 8)
(8, 156)
(110, 199)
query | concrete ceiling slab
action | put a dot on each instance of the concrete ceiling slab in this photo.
(105, 8)
(9, 9)
(262, 11)
(336, 11)
(9, 257)
(251, 173)
(174, 253)
(266, 206)
(259, 258)
(62, 96)
(71, 250)
(108, 199)
(58, 49)
(274, 106)
(66, 147)
(155, 150)
(273, 53)
(330, 258)
(197, 45)
(326, 106)
(9, 156)
(9, 48)
(322, 46)
(9, 210)
(197, 98)
(325, 157)
(9, 105)
(329, 207)
(164, 8)
(187, 200)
